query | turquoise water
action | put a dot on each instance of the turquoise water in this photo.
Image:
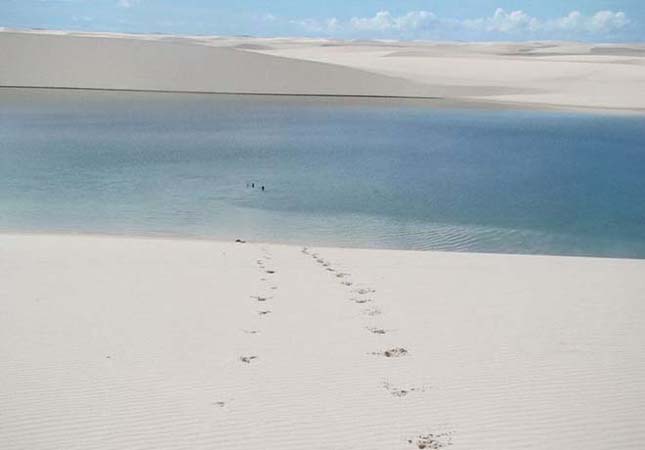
(337, 172)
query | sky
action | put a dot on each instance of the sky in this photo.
(461, 20)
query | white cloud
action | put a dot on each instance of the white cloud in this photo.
(607, 22)
(512, 23)
(318, 26)
(504, 22)
(333, 24)
(381, 21)
(572, 21)
(384, 21)
(601, 23)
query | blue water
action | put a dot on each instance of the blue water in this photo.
(337, 172)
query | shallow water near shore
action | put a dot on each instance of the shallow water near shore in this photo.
(381, 173)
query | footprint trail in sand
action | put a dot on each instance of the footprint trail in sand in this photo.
(364, 295)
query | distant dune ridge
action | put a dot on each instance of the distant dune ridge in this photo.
(537, 75)
(119, 343)
(179, 65)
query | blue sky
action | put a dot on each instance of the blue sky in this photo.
(589, 20)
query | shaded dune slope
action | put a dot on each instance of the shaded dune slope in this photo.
(134, 64)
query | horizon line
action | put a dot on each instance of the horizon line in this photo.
(4, 29)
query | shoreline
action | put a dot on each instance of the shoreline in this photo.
(245, 94)
(213, 240)
(432, 102)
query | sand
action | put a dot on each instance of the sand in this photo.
(113, 343)
(544, 75)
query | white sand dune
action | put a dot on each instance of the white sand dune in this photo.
(534, 74)
(555, 75)
(113, 343)
(184, 65)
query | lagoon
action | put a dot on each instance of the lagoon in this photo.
(338, 172)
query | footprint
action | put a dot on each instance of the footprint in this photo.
(432, 441)
(364, 291)
(247, 359)
(270, 271)
(219, 404)
(377, 330)
(395, 352)
(329, 269)
(342, 275)
(361, 301)
(401, 392)
(372, 312)
(397, 392)
(260, 299)
(346, 283)
(273, 288)
(251, 331)
(392, 353)
(264, 313)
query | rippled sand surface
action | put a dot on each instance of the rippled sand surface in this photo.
(112, 343)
